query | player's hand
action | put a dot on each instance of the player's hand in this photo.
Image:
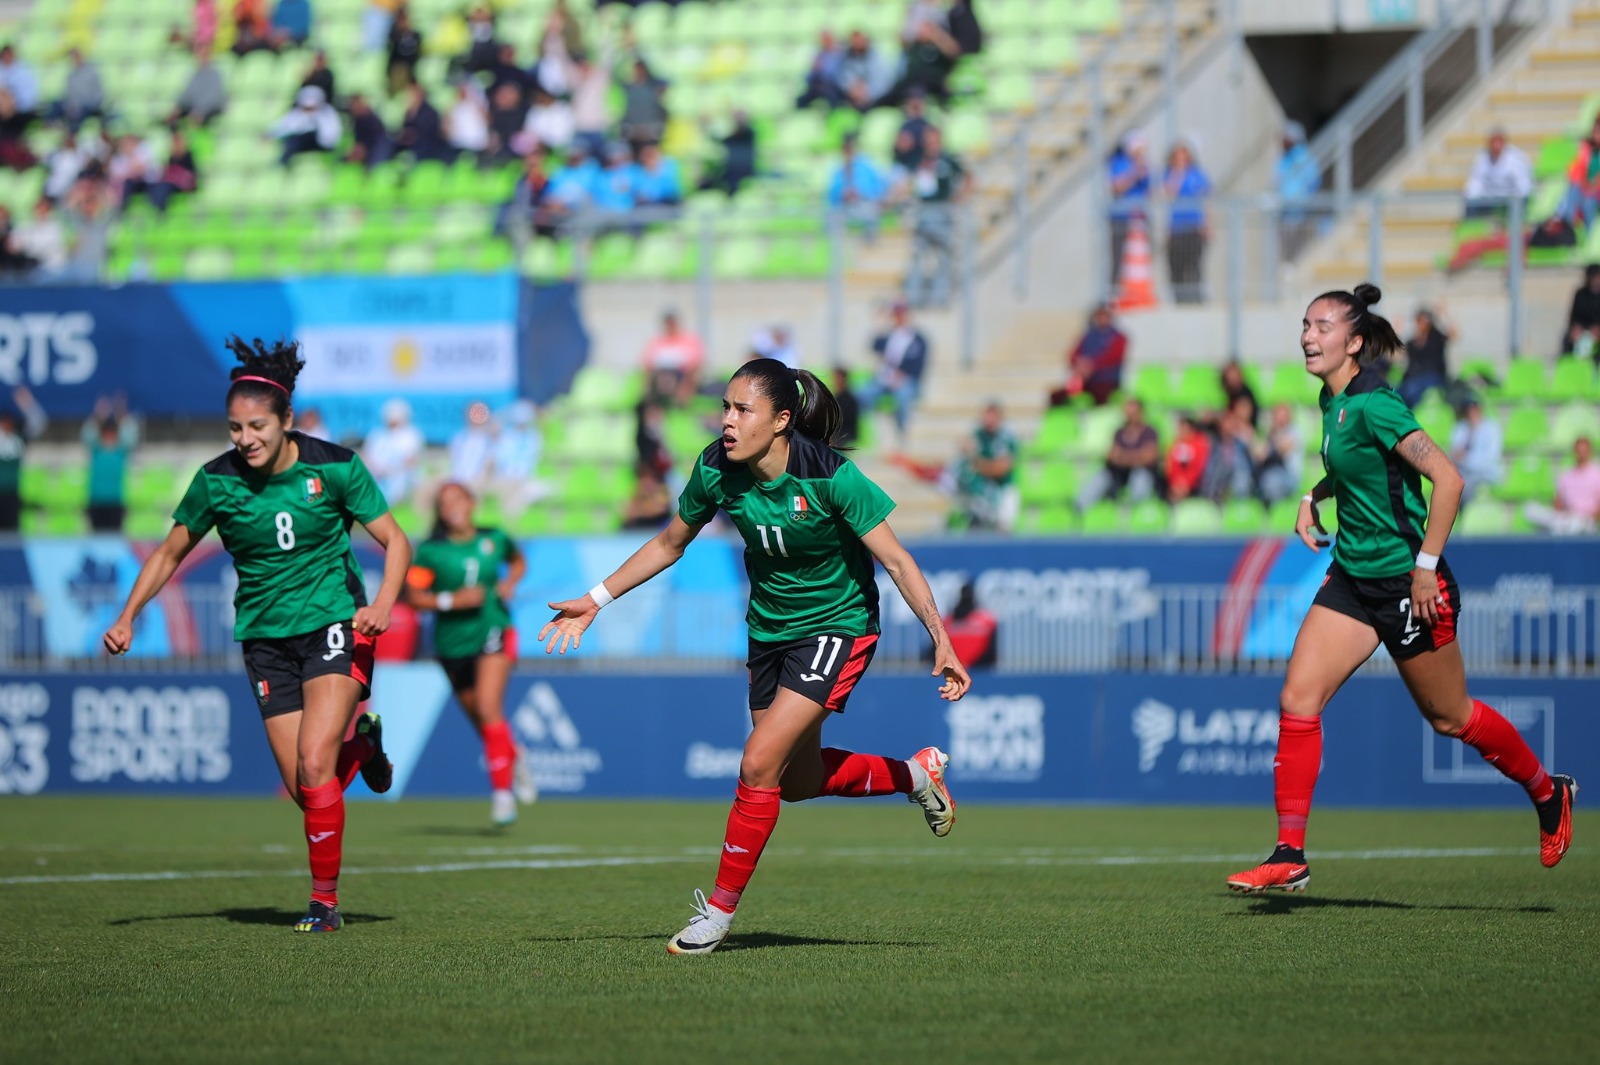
(572, 617)
(956, 681)
(371, 620)
(506, 590)
(1426, 599)
(467, 598)
(118, 638)
(1307, 521)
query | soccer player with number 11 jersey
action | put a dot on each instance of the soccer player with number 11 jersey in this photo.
(812, 526)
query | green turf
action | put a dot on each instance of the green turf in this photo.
(1031, 934)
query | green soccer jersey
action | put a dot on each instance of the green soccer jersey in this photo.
(809, 572)
(1379, 495)
(456, 564)
(289, 535)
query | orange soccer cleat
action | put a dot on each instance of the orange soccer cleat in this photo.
(1555, 820)
(1286, 870)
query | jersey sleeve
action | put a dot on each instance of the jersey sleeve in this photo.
(1389, 419)
(856, 499)
(194, 512)
(695, 505)
(362, 498)
(420, 575)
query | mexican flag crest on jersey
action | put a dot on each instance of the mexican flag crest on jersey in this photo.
(313, 489)
(797, 509)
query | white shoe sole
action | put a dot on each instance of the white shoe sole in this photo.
(941, 816)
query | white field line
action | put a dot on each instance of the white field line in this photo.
(1029, 857)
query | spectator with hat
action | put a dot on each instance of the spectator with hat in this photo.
(311, 126)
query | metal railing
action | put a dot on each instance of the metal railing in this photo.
(1519, 627)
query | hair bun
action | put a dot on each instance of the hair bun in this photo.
(1368, 294)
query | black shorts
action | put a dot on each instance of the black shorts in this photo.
(277, 667)
(463, 671)
(823, 668)
(1385, 604)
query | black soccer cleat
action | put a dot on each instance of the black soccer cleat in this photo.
(377, 770)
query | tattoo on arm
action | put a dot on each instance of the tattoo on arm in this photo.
(1422, 453)
(928, 613)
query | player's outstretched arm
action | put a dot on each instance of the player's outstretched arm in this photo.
(573, 616)
(153, 576)
(1424, 456)
(907, 576)
(373, 619)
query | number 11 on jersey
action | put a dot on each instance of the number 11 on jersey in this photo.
(777, 535)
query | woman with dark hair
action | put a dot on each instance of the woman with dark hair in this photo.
(468, 574)
(283, 504)
(1387, 584)
(812, 525)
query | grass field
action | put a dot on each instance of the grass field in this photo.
(1031, 934)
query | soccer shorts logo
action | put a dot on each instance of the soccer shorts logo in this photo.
(262, 691)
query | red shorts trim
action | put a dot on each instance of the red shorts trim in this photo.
(1443, 630)
(851, 672)
(362, 651)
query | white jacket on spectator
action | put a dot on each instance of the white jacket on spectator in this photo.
(1508, 177)
(313, 114)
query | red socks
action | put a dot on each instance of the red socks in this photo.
(324, 818)
(500, 752)
(352, 756)
(750, 824)
(1503, 747)
(1294, 774)
(858, 775)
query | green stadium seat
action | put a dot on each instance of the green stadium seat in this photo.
(1096, 427)
(1153, 385)
(546, 260)
(738, 257)
(1289, 383)
(1484, 517)
(1102, 519)
(1555, 156)
(1528, 477)
(1058, 431)
(1200, 388)
(1572, 421)
(1524, 380)
(1149, 517)
(1281, 517)
(1436, 418)
(1525, 427)
(410, 259)
(602, 390)
(1047, 483)
(1196, 517)
(1057, 520)
(152, 487)
(1572, 379)
(1248, 517)
(144, 524)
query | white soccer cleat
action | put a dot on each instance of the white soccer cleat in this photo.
(706, 931)
(523, 786)
(503, 808)
(934, 797)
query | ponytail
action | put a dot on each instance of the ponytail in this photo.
(1378, 337)
(265, 373)
(814, 412)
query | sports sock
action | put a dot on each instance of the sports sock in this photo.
(324, 819)
(857, 775)
(1294, 774)
(500, 752)
(1503, 747)
(750, 824)
(353, 754)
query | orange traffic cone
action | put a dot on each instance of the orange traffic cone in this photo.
(1137, 289)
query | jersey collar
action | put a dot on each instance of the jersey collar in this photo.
(1368, 380)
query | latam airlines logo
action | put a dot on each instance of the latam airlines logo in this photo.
(556, 754)
(1222, 743)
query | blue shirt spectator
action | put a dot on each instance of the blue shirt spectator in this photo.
(17, 78)
(857, 179)
(292, 19)
(1130, 178)
(655, 178)
(1299, 175)
(573, 185)
(1185, 181)
(612, 188)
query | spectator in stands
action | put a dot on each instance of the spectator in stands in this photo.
(775, 341)
(937, 184)
(962, 23)
(422, 130)
(864, 77)
(1186, 185)
(377, 19)
(849, 409)
(738, 163)
(291, 24)
(591, 108)
(858, 189)
(467, 125)
(204, 97)
(572, 185)
(84, 96)
(471, 448)
(504, 135)
(1299, 178)
(64, 164)
(1187, 459)
(1094, 365)
(515, 457)
(1280, 456)
(89, 208)
(929, 57)
(393, 452)
(17, 78)
(309, 421)
(919, 13)
(985, 474)
(533, 210)
(650, 437)
(1130, 190)
(202, 27)
(1236, 390)
(1582, 202)
(657, 182)
(405, 50)
(902, 354)
(320, 76)
(561, 42)
(1582, 336)
(972, 630)
(1500, 173)
(611, 193)
(369, 140)
(1477, 446)
(1133, 464)
(252, 27)
(651, 506)
(822, 77)
(178, 176)
(133, 167)
(506, 71)
(15, 434)
(312, 125)
(907, 152)
(1577, 502)
(14, 151)
(12, 260)
(42, 241)
(549, 124)
(1230, 471)
(109, 434)
(1426, 361)
(644, 109)
(672, 363)
(483, 47)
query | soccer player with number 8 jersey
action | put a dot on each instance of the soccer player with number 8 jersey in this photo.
(283, 503)
(812, 525)
(1388, 584)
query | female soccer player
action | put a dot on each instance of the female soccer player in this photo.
(458, 573)
(283, 503)
(1387, 584)
(812, 523)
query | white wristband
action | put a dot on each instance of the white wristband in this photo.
(1307, 498)
(1427, 561)
(445, 600)
(601, 597)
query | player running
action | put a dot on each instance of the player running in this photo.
(1387, 584)
(812, 524)
(282, 503)
(457, 572)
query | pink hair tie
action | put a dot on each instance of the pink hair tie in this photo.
(263, 380)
